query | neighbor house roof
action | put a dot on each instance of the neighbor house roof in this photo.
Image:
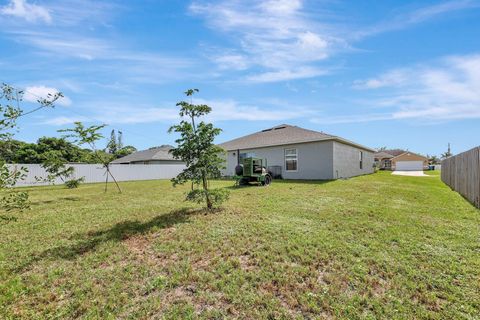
(410, 153)
(283, 134)
(156, 153)
(382, 155)
(394, 152)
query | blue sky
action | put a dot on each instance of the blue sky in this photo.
(400, 74)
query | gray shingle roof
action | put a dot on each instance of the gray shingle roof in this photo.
(395, 152)
(158, 153)
(282, 135)
(383, 155)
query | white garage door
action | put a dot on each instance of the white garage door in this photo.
(409, 166)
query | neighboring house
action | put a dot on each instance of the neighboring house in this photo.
(301, 154)
(157, 155)
(383, 160)
(399, 160)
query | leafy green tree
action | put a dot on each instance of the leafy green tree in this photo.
(89, 136)
(447, 154)
(125, 151)
(197, 149)
(9, 150)
(112, 146)
(10, 112)
(68, 151)
(433, 160)
(14, 151)
(115, 145)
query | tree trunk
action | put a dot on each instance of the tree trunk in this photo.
(106, 181)
(207, 195)
(115, 180)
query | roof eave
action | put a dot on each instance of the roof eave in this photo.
(338, 139)
(408, 152)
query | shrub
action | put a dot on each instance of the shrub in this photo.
(73, 183)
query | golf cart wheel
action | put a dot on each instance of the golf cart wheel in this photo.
(267, 180)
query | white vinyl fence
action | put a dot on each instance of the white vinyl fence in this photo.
(96, 173)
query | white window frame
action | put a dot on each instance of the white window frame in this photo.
(285, 159)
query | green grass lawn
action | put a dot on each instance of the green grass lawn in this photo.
(377, 246)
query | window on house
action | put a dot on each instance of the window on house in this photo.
(361, 159)
(387, 164)
(244, 155)
(291, 160)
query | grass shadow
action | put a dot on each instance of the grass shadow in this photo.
(87, 242)
(68, 198)
(302, 181)
(281, 181)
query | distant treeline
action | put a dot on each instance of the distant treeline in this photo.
(15, 151)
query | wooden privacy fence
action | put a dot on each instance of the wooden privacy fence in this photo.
(462, 174)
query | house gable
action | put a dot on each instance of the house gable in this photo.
(409, 156)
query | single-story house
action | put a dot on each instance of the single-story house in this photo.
(301, 153)
(156, 155)
(382, 160)
(399, 160)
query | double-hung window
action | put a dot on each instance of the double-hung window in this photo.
(291, 160)
(361, 159)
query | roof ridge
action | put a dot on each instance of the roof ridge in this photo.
(282, 134)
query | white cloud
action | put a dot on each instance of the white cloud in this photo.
(137, 114)
(33, 93)
(392, 78)
(419, 15)
(62, 120)
(64, 45)
(228, 110)
(447, 7)
(27, 11)
(277, 36)
(284, 75)
(442, 91)
(352, 118)
(222, 110)
(281, 7)
(232, 61)
(85, 13)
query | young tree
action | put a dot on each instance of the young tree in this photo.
(10, 112)
(202, 157)
(56, 166)
(89, 136)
